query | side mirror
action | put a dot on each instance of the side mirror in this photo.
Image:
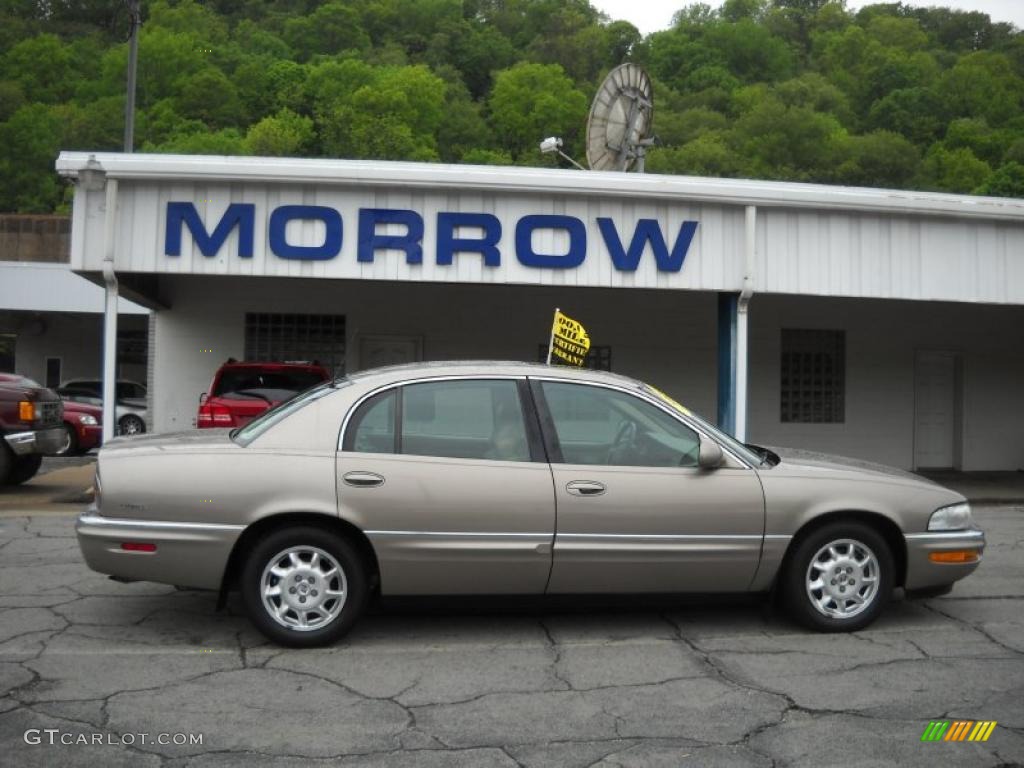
(202, 398)
(711, 456)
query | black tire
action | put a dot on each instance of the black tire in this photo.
(25, 468)
(131, 425)
(852, 538)
(6, 462)
(353, 571)
(70, 442)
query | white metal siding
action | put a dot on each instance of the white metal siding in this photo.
(893, 257)
(812, 240)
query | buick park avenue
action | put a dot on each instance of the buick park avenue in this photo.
(506, 478)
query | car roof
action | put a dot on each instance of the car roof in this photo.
(392, 373)
(271, 365)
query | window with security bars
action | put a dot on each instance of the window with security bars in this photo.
(813, 385)
(283, 337)
(598, 358)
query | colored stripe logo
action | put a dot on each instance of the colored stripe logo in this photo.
(958, 730)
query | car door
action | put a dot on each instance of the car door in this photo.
(635, 512)
(450, 479)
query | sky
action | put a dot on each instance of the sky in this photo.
(651, 15)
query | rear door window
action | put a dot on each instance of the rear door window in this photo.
(372, 427)
(474, 419)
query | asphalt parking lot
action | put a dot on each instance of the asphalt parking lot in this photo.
(498, 683)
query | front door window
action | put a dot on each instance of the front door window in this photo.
(606, 427)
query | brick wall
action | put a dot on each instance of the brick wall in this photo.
(25, 237)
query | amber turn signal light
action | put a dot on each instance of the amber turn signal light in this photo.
(954, 556)
(26, 411)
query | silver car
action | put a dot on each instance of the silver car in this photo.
(508, 478)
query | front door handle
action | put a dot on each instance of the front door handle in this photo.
(585, 488)
(363, 479)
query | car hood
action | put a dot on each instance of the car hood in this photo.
(172, 441)
(797, 458)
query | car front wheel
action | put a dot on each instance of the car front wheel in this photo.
(70, 447)
(131, 425)
(839, 577)
(24, 469)
(304, 586)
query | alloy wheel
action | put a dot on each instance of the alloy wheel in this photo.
(303, 588)
(842, 579)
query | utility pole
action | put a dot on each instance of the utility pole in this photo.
(133, 55)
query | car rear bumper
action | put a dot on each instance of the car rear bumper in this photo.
(48, 441)
(186, 554)
(922, 572)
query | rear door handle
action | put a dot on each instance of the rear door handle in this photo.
(585, 488)
(363, 479)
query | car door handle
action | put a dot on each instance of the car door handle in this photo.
(363, 479)
(585, 488)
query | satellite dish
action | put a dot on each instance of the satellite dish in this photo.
(620, 120)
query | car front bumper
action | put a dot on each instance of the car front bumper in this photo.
(89, 436)
(48, 441)
(186, 554)
(922, 572)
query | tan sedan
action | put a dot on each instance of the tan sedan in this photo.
(508, 478)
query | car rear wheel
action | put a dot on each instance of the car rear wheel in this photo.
(25, 468)
(131, 425)
(839, 577)
(304, 586)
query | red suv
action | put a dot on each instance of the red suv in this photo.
(242, 391)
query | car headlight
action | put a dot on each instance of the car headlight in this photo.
(85, 418)
(955, 517)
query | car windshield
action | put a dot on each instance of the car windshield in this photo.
(18, 380)
(259, 384)
(127, 389)
(728, 441)
(245, 435)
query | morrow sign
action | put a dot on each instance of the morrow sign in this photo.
(449, 240)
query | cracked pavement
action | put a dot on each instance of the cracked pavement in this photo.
(560, 683)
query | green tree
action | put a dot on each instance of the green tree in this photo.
(532, 101)
(227, 141)
(29, 142)
(1008, 181)
(953, 170)
(983, 84)
(285, 134)
(332, 28)
(710, 154)
(879, 159)
(209, 95)
(43, 68)
(784, 142)
(393, 117)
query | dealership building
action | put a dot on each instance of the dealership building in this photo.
(884, 325)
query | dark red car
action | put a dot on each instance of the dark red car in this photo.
(84, 426)
(242, 391)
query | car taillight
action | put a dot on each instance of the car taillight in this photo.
(26, 410)
(214, 416)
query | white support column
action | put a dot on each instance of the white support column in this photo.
(109, 314)
(742, 314)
